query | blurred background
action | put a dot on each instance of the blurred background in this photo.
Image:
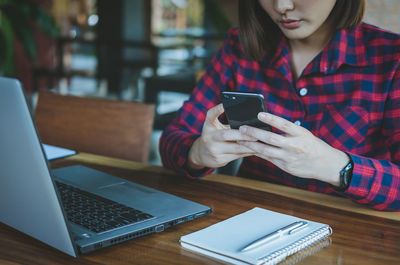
(132, 50)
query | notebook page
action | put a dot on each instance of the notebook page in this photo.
(54, 152)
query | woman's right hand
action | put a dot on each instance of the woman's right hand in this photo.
(217, 145)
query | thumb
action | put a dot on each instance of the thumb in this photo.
(213, 114)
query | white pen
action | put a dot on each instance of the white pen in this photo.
(289, 229)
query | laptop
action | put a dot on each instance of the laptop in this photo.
(74, 209)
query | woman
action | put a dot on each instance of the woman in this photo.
(332, 89)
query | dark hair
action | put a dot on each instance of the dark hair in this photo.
(259, 35)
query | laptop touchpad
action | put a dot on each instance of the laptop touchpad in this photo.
(125, 188)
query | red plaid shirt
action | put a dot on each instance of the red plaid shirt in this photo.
(348, 95)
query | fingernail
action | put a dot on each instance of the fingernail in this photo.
(262, 115)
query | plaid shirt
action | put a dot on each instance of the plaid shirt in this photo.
(348, 96)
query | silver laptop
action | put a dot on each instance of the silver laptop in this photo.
(74, 209)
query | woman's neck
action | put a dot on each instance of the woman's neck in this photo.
(303, 51)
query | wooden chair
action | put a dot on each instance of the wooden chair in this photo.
(98, 126)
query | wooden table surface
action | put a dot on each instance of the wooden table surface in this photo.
(360, 235)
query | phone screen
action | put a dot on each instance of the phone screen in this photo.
(242, 108)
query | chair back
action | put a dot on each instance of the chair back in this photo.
(98, 126)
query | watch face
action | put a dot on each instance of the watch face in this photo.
(348, 167)
(345, 176)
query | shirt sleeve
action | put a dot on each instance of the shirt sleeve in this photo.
(376, 183)
(177, 139)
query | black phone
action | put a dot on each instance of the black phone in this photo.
(241, 108)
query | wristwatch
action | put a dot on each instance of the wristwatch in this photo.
(345, 175)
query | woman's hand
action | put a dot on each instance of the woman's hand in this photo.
(217, 145)
(297, 151)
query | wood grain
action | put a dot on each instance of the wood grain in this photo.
(99, 126)
(358, 238)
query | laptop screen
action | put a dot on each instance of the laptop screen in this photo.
(28, 200)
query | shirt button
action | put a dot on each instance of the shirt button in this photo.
(297, 122)
(303, 91)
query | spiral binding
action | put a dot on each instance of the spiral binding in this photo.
(281, 254)
(310, 250)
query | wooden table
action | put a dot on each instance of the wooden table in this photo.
(360, 235)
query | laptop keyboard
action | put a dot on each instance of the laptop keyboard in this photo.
(96, 213)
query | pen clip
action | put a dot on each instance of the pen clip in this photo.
(298, 228)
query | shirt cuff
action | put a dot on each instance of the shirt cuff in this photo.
(183, 158)
(362, 178)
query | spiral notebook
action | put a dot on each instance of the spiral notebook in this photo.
(257, 236)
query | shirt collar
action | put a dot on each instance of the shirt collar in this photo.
(346, 47)
(281, 58)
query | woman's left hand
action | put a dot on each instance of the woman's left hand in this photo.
(297, 151)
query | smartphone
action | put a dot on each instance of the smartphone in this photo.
(241, 108)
